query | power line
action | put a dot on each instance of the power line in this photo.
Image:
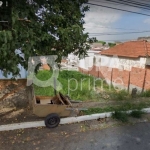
(132, 4)
(117, 33)
(128, 2)
(126, 32)
(112, 28)
(119, 9)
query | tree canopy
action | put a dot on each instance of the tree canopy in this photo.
(102, 42)
(43, 27)
(112, 44)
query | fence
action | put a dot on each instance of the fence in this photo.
(136, 78)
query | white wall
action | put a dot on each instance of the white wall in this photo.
(112, 61)
(87, 62)
(122, 63)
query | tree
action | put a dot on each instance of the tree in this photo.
(102, 42)
(111, 44)
(43, 27)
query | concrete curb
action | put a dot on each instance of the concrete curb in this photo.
(68, 120)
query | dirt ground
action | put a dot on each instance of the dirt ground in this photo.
(10, 115)
(15, 108)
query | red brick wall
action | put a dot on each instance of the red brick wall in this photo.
(94, 71)
(137, 77)
(105, 73)
(147, 80)
(120, 77)
(80, 69)
(85, 71)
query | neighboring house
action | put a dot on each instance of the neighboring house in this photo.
(127, 55)
(93, 56)
(130, 64)
(99, 47)
(144, 38)
(126, 65)
(89, 60)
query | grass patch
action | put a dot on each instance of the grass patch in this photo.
(120, 95)
(145, 94)
(82, 87)
(78, 86)
(137, 113)
(123, 107)
(121, 116)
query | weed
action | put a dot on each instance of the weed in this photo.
(137, 113)
(122, 116)
(145, 94)
(76, 85)
(82, 87)
(120, 95)
(123, 107)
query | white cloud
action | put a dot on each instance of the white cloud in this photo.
(147, 21)
(103, 20)
(100, 20)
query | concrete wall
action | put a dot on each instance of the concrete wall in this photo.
(122, 63)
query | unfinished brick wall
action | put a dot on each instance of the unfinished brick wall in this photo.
(94, 71)
(137, 77)
(105, 73)
(80, 69)
(147, 80)
(85, 71)
(120, 77)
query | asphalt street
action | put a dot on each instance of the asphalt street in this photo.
(70, 137)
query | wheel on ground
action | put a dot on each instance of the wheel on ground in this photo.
(52, 120)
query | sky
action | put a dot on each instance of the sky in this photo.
(109, 21)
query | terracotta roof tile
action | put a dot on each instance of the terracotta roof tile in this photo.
(129, 49)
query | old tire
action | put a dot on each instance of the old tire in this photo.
(52, 120)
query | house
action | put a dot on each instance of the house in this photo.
(127, 55)
(126, 65)
(130, 64)
(92, 55)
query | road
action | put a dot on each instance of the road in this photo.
(71, 137)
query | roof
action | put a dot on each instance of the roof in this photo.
(133, 49)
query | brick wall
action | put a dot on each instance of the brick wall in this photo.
(120, 77)
(85, 71)
(137, 77)
(147, 80)
(105, 73)
(94, 71)
(80, 69)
